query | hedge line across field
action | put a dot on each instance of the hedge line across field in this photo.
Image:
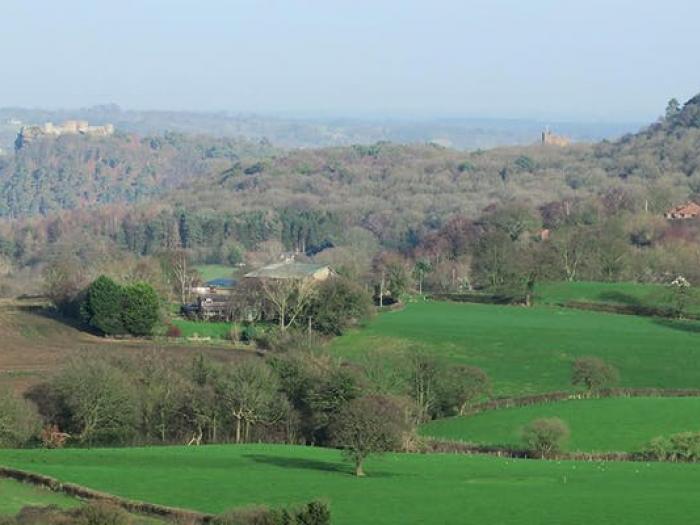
(313, 513)
(551, 397)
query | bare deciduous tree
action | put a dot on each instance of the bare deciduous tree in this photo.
(181, 274)
(369, 425)
(288, 298)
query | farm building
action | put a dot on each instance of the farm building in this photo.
(210, 306)
(689, 210)
(212, 300)
(292, 270)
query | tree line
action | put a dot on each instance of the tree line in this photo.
(298, 397)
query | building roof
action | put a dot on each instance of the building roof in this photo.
(286, 270)
(221, 282)
(689, 208)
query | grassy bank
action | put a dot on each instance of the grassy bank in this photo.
(15, 495)
(597, 425)
(400, 489)
(530, 350)
(625, 294)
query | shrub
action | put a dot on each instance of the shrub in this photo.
(684, 446)
(338, 305)
(314, 513)
(460, 386)
(31, 515)
(593, 373)
(96, 399)
(248, 333)
(96, 513)
(52, 437)
(545, 436)
(100, 513)
(254, 515)
(19, 421)
(173, 331)
(234, 334)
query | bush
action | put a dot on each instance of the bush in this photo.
(19, 421)
(459, 387)
(96, 513)
(173, 331)
(249, 333)
(256, 515)
(52, 437)
(684, 446)
(546, 436)
(314, 513)
(31, 515)
(338, 305)
(234, 334)
(593, 373)
(100, 513)
(95, 400)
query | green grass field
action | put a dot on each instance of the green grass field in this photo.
(213, 329)
(530, 350)
(597, 425)
(215, 271)
(15, 495)
(400, 489)
(625, 293)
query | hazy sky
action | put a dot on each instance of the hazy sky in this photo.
(583, 59)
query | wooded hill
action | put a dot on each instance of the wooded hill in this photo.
(74, 171)
(205, 193)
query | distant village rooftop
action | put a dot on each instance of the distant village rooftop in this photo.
(292, 270)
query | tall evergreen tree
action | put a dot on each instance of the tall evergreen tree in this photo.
(103, 306)
(140, 313)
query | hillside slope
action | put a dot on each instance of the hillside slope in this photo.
(35, 344)
(75, 171)
(207, 194)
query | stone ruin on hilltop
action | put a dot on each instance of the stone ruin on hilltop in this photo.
(70, 127)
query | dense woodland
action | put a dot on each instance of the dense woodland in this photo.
(465, 219)
(71, 171)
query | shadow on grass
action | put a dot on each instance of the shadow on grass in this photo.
(619, 297)
(311, 464)
(683, 326)
(51, 313)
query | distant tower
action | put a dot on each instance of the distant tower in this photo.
(549, 138)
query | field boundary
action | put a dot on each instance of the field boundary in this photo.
(433, 445)
(78, 491)
(447, 446)
(626, 309)
(660, 312)
(552, 397)
(478, 298)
